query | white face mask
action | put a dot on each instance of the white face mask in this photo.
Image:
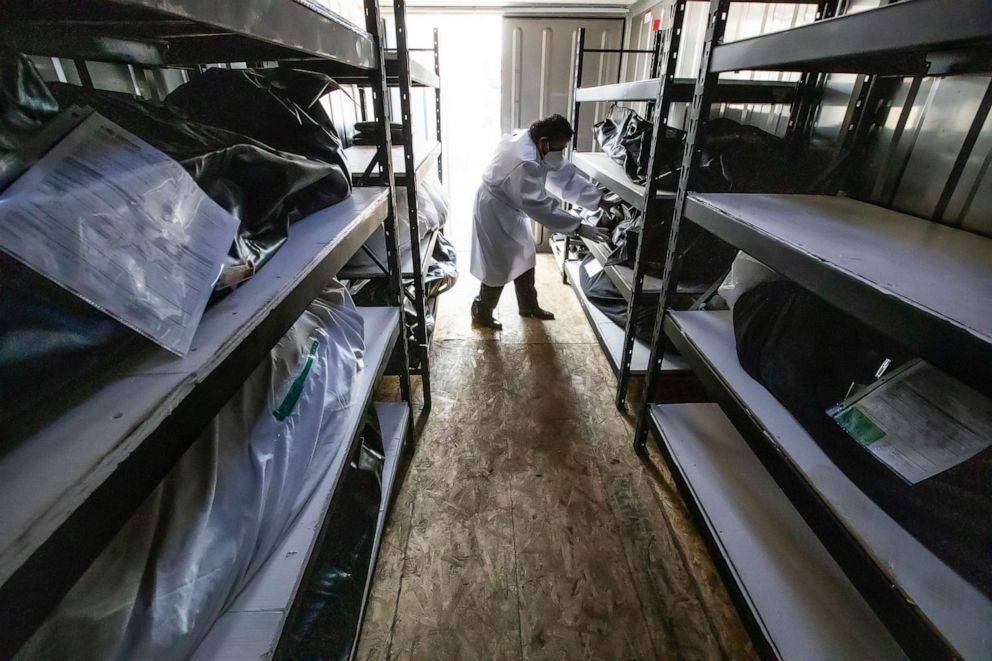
(553, 160)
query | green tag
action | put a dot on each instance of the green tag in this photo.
(859, 426)
(289, 401)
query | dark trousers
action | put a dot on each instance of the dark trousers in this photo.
(523, 284)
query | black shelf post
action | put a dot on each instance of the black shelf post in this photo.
(580, 46)
(381, 109)
(651, 206)
(419, 299)
(706, 83)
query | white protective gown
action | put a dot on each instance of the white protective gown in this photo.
(518, 187)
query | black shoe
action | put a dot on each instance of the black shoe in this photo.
(537, 312)
(484, 319)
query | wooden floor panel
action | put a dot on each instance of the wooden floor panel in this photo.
(526, 527)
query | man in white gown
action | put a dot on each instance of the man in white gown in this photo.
(526, 175)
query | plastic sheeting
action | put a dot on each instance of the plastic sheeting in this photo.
(285, 114)
(746, 273)
(263, 187)
(807, 353)
(704, 257)
(43, 325)
(201, 536)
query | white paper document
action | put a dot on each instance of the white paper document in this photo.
(918, 421)
(123, 226)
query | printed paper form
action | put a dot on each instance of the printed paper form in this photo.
(123, 226)
(919, 422)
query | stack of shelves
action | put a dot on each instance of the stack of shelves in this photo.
(419, 157)
(661, 91)
(69, 486)
(917, 281)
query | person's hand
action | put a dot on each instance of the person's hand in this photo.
(592, 233)
(608, 205)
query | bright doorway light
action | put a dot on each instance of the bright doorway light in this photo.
(470, 47)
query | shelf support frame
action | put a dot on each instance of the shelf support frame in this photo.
(406, 115)
(652, 208)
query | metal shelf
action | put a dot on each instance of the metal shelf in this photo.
(794, 598)
(372, 272)
(359, 157)
(253, 626)
(99, 458)
(912, 590)
(868, 261)
(908, 38)
(184, 32)
(622, 277)
(606, 172)
(729, 91)
(420, 75)
(610, 335)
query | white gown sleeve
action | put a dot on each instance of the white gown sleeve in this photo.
(525, 186)
(569, 184)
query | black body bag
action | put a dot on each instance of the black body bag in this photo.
(46, 331)
(625, 137)
(367, 134)
(601, 293)
(807, 353)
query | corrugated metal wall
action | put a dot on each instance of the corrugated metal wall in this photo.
(910, 162)
(745, 20)
(538, 69)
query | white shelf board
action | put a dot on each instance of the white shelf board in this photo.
(682, 90)
(795, 593)
(883, 250)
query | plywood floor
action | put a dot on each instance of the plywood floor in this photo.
(526, 527)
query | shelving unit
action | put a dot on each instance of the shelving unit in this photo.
(920, 282)
(830, 245)
(70, 485)
(660, 91)
(418, 158)
(794, 610)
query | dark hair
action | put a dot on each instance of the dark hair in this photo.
(551, 127)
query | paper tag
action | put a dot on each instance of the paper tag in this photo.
(918, 421)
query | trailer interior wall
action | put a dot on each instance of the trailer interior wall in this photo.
(932, 123)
